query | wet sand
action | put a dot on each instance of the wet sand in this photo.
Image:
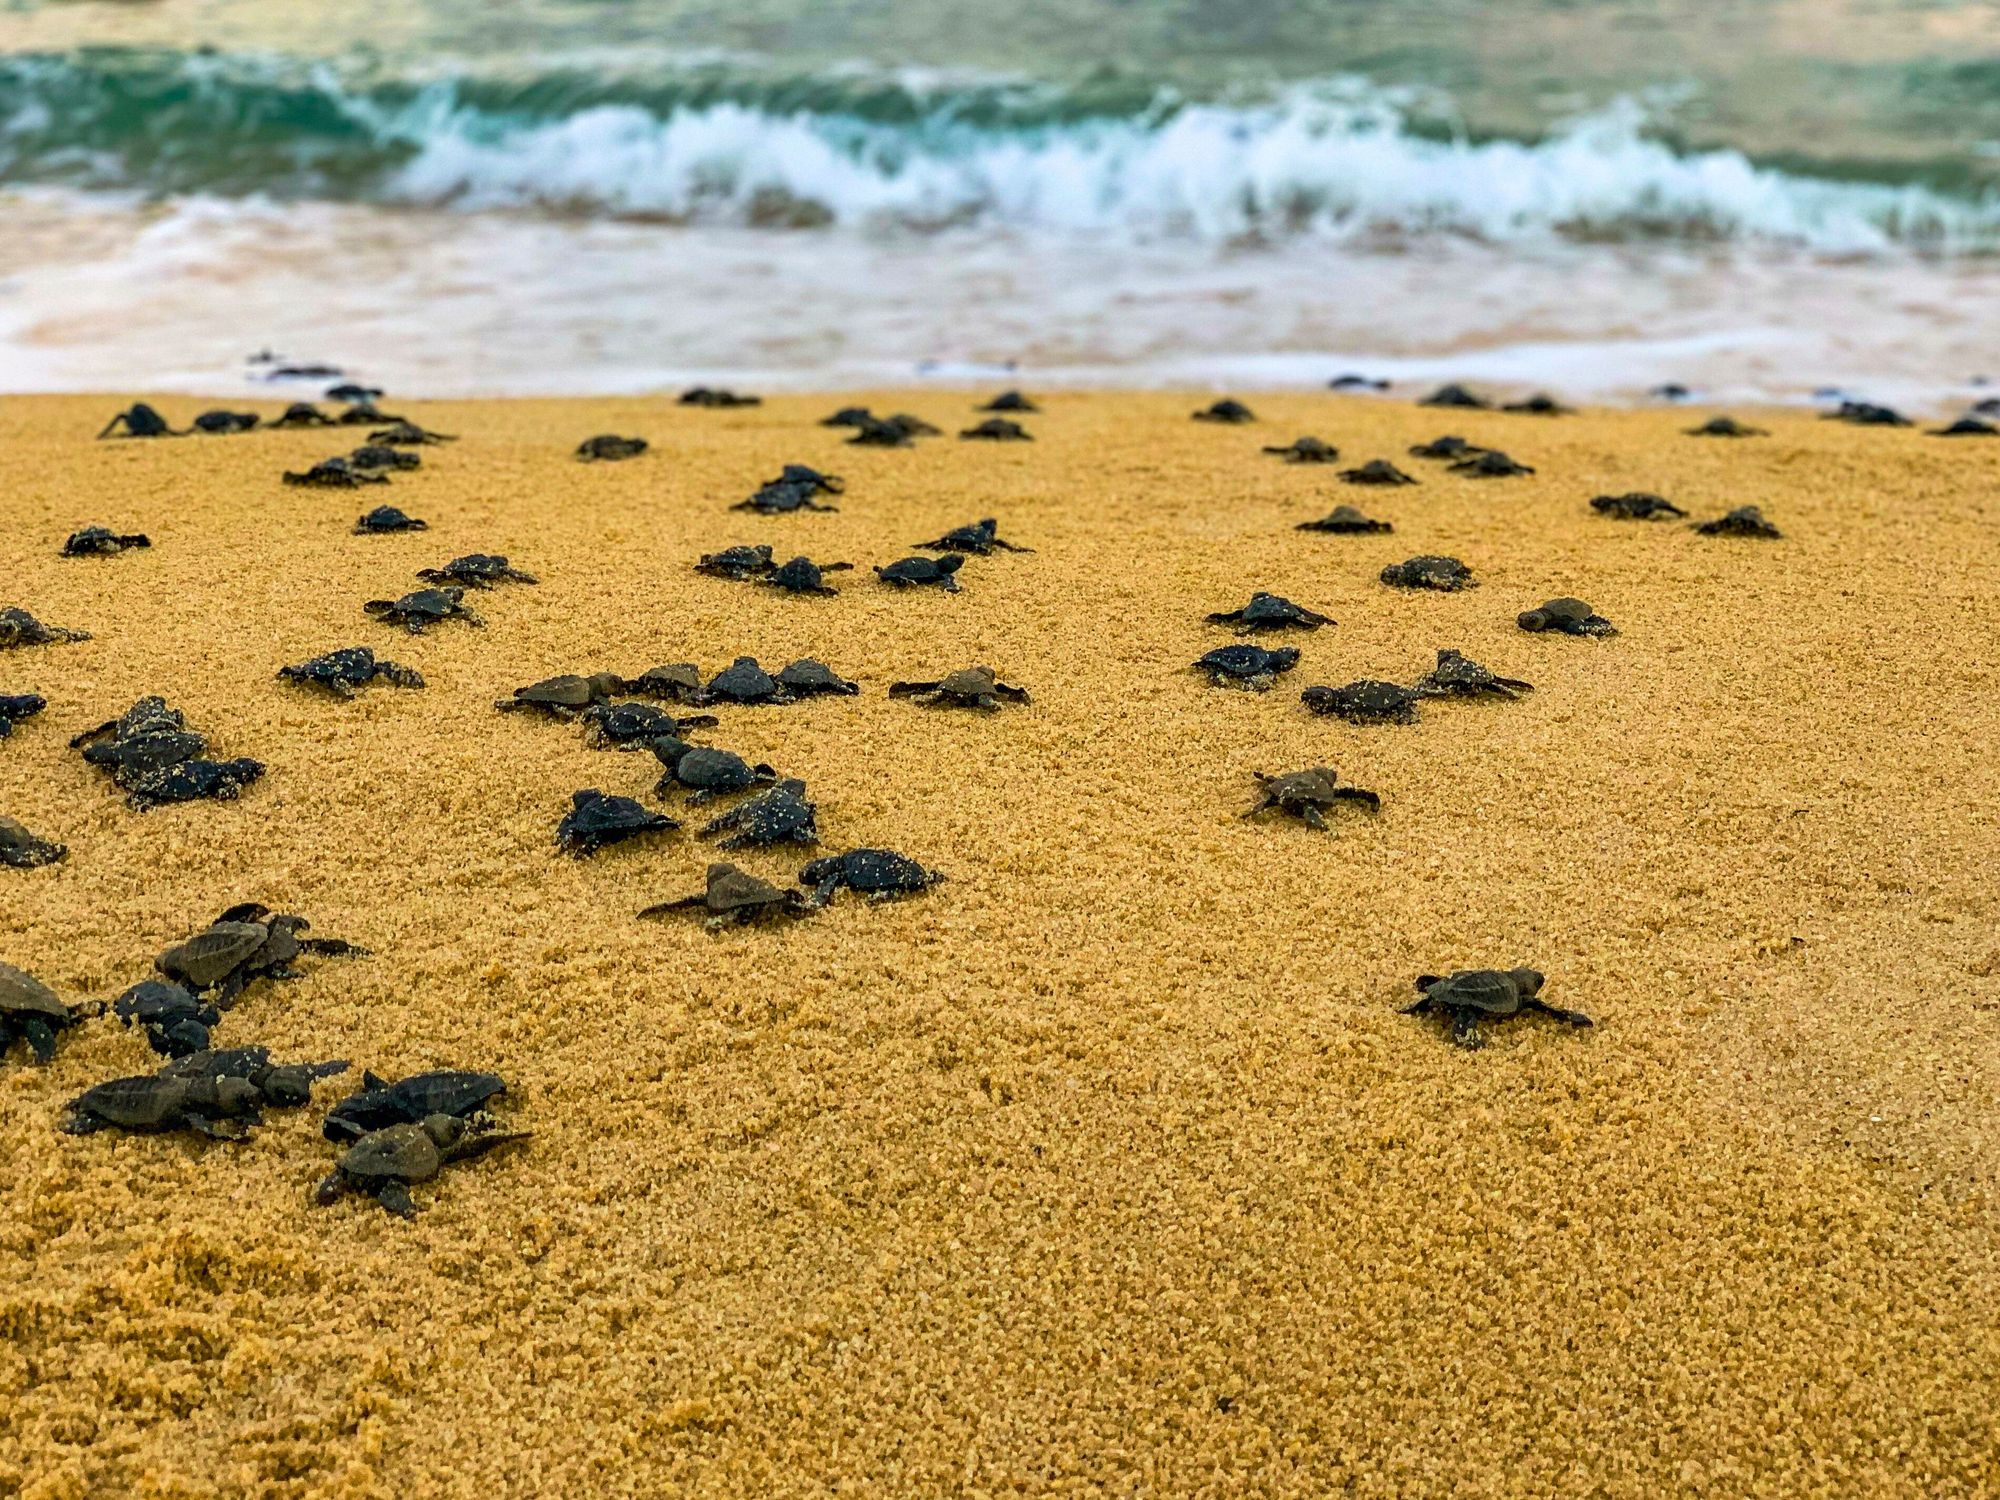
(1108, 1166)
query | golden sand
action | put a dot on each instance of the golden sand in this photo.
(1109, 1166)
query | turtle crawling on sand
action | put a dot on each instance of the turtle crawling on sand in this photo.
(1966, 427)
(22, 850)
(1234, 412)
(969, 687)
(282, 1085)
(19, 628)
(1376, 471)
(154, 758)
(780, 816)
(1269, 612)
(223, 1109)
(737, 563)
(345, 672)
(997, 430)
(479, 570)
(302, 414)
(781, 497)
(31, 1013)
(1489, 463)
(734, 896)
(334, 474)
(924, 572)
(384, 1163)
(806, 678)
(384, 519)
(14, 707)
(1541, 404)
(596, 821)
(1250, 667)
(1866, 414)
(408, 435)
(1725, 427)
(1745, 520)
(101, 541)
(609, 448)
(1469, 996)
(220, 423)
(1459, 676)
(1446, 574)
(848, 416)
(1009, 401)
(804, 576)
(1566, 616)
(717, 399)
(979, 538)
(1446, 447)
(1365, 702)
(175, 1020)
(139, 421)
(1306, 450)
(879, 874)
(1456, 396)
(567, 695)
(378, 1103)
(1309, 795)
(1345, 520)
(1636, 506)
(704, 771)
(743, 681)
(672, 682)
(631, 726)
(378, 457)
(246, 943)
(417, 611)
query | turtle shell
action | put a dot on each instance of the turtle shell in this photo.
(213, 954)
(21, 994)
(144, 1101)
(1493, 992)
(395, 1153)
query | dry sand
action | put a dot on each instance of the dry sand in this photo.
(1109, 1166)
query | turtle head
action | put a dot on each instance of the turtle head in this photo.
(951, 562)
(1529, 982)
(445, 1131)
(287, 1087)
(606, 684)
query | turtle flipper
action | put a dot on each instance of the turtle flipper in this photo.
(1465, 1030)
(1568, 1017)
(1422, 1007)
(685, 903)
(395, 1197)
(40, 1037)
(1314, 817)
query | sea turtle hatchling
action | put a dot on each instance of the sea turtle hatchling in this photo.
(19, 628)
(565, 696)
(1541, 404)
(630, 726)
(1306, 450)
(704, 771)
(743, 681)
(1966, 427)
(175, 1020)
(609, 448)
(780, 816)
(1345, 520)
(101, 541)
(417, 611)
(848, 416)
(281, 1085)
(879, 874)
(1469, 996)
(191, 781)
(979, 538)
(379, 1103)
(1566, 616)
(408, 435)
(351, 393)
(221, 423)
(811, 478)
(737, 563)
(384, 519)
(806, 678)
(1725, 427)
(1456, 396)
(1269, 612)
(781, 497)
(346, 671)
(22, 850)
(671, 682)
(735, 897)
(1355, 382)
(924, 572)
(138, 420)
(1488, 463)
(1234, 412)
(716, 398)
(31, 1013)
(479, 570)
(1250, 667)
(1636, 506)
(969, 687)
(1309, 795)
(1866, 414)
(804, 576)
(1009, 401)
(1448, 446)
(596, 820)
(1368, 701)
(1745, 520)
(246, 943)
(382, 456)
(337, 473)
(1446, 574)
(223, 1109)
(873, 432)
(301, 414)
(997, 430)
(14, 707)
(1459, 676)
(1376, 471)
(385, 1163)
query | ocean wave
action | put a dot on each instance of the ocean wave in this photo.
(1338, 159)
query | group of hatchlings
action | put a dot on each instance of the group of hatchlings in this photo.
(392, 1135)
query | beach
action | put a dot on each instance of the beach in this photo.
(1109, 1165)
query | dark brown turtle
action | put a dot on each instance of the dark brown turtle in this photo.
(281, 1085)
(596, 820)
(780, 816)
(223, 1109)
(1566, 616)
(1234, 412)
(385, 1163)
(384, 519)
(924, 572)
(716, 398)
(336, 473)
(811, 478)
(632, 726)
(997, 430)
(1345, 520)
(479, 570)
(176, 1021)
(1636, 506)
(803, 576)
(1447, 574)
(408, 435)
(1353, 382)
(1250, 667)
(348, 393)
(1469, 996)
(879, 874)
(1309, 795)
(101, 541)
(1489, 463)
(246, 943)
(781, 497)
(703, 771)
(566, 696)
(1446, 447)
(155, 758)
(1725, 427)
(609, 448)
(734, 897)
(1456, 396)
(1866, 414)
(192, 781)
(969, 687)
(1376, 471)
(1967, 427)
(738, 563)
(378, 1103)
(19, 628)
(1306, 450)
(1269, 612)
(302, 414)
(1459, 676)
(138, 420)
(417, 611)
(1672, 390)
(22, 850)
(1745, 520)
(872, 432)
(848, 416)
(1009, 401)
(1541, 404)
(345, 672)
(381, 457)
(742, 681)
(31, 1013)
(1368, 701)
(806, 678)
(14, 707)
(673, 682)
(979, 538)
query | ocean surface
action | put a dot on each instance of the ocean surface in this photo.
(1758, 201)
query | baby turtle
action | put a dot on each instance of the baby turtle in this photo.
(334, 474)
(386, 518)
(348, 393)
(1352, 382)
(1009, 401)
(1447, 574)
(1458, 676)
(734, 896)
(384, 1163)
(1489, 463)
(1745, 520)
(408, 435)
(1541, 404)
(978, 538)
(423, 608)
(100, 541)
(871, 432)
(566, 696)
(302, 414)
(148, 736)
(705, 772)
(1967, 427)
(1456, 396)
(630, 726)
(1725, 427)
(924, 572)
(246, 943)
(1249, 667)
(914, 426)
(738, 563)
(479, 570)
(378, 1104)
(674, 682)
(223, 1109)
(1376, 471)
(1567, 616)
(743, 681)
(345, 672)
(175, 1020)
(280, 1085)
(1345, 520)
(781, 497)
(1637, 506)
(1226, 411)
(879, 874)
(806, 678)
(1673, 390)
(380, 456)
(1306, 450)
(596, 820)
(1446, 447)
(31, 1013)
(19, 628)
(139, 421)
(14, 707)
(779, 816)
(811, 478)
(1365, 702)
(717, 399)
(22, 850)
(191, 781)
(848, 416)
(609, 448)
(1269, 612)
(1466, 997)
(969, 687)
(998, 430)
(1309, 795)
(223, 422)
(1866, 414)
(802, 576)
